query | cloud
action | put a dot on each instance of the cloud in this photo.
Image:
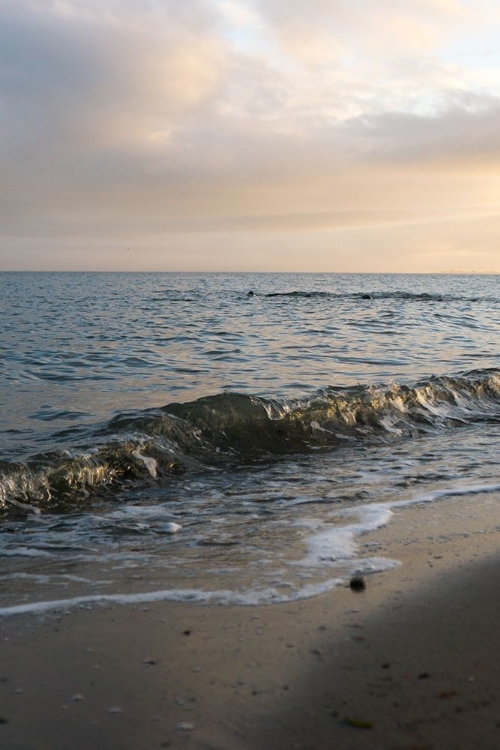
(104, 75)
(196, 120)
(322, 30)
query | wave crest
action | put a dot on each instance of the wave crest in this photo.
(228, 429)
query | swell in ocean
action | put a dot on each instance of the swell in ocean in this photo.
(380, 295)
(228, 430)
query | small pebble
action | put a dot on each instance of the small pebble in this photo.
(115, 710)
(357, 583)
(76, 698)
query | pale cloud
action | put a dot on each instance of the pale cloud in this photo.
(97, 74)
(237, 122)
(321, 31)
(371, 28)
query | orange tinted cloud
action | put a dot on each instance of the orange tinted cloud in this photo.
(329, 124)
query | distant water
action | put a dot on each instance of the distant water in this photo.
(229, 437)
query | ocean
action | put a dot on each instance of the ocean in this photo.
(231, 438)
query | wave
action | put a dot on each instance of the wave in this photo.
(399, 295)
(230, 429)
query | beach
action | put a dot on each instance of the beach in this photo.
(186, 494)
(410, 662)
(249, 375)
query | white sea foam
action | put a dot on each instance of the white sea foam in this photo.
(149, 463)
(334, 545)
(372, 565)
(250, 597)
(430, 497)
(125, 512)
(172, 528)
(328, 544)
(24, 552)
(142, 515)
(44, 579)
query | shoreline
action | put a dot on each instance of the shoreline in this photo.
(408, 663)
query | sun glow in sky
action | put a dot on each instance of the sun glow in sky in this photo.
(235, 135)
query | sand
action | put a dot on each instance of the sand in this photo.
(411, 662)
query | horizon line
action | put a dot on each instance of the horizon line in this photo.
(451, 272)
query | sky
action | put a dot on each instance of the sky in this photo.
(250, 135)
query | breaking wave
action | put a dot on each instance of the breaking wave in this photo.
(227, 430)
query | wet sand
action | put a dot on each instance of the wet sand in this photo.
(411, 662)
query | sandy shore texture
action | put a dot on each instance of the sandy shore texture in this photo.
(411, 662)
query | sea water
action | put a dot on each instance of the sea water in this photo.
(230, 438)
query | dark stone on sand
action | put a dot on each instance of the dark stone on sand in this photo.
(357, 583)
